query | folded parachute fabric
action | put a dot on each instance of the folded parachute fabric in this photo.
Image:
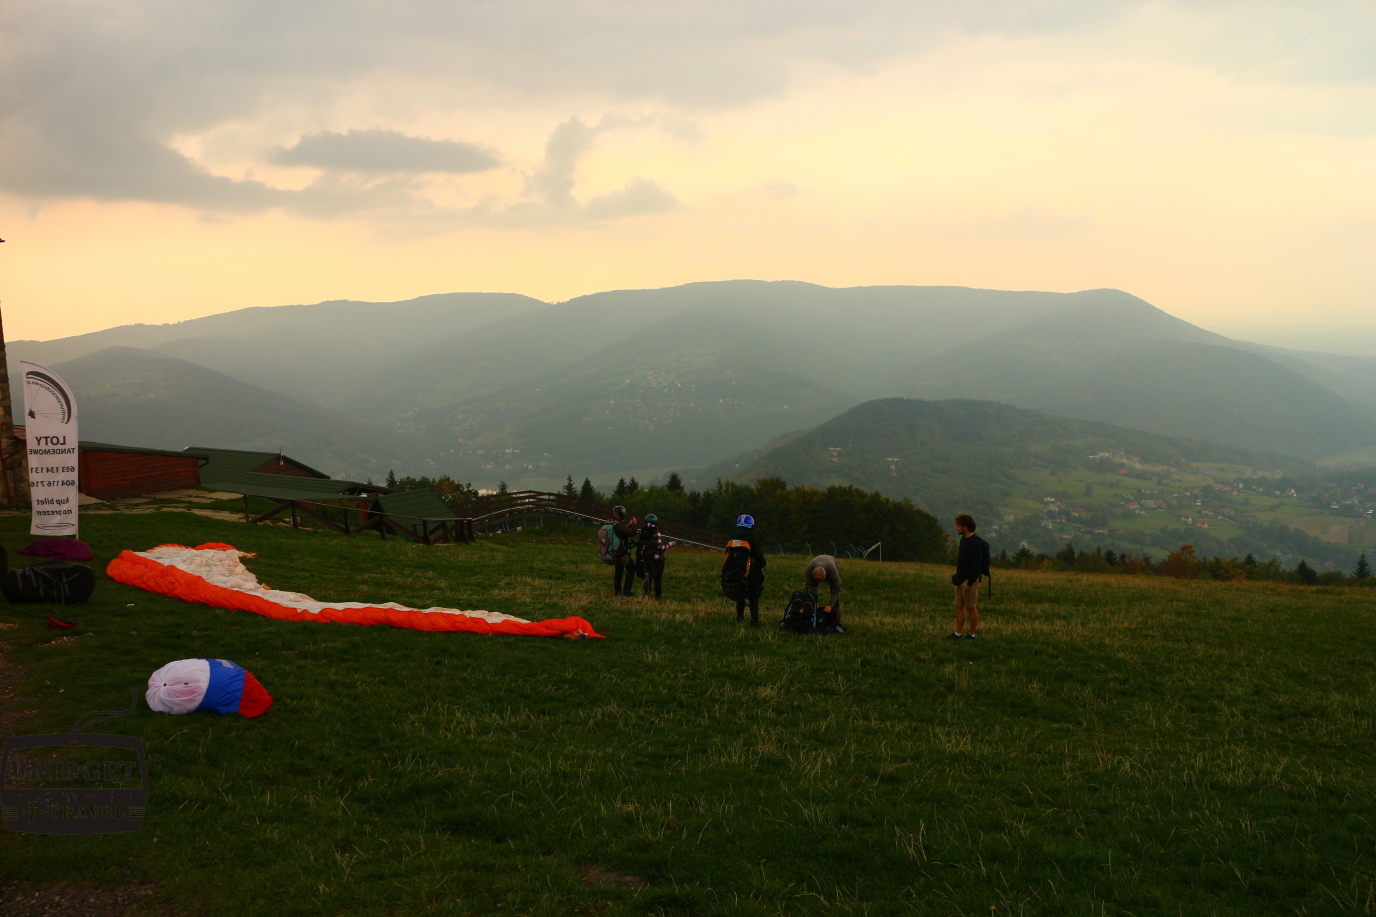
(216, 685)
(212, 574)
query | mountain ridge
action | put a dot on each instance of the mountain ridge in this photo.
(439, 369)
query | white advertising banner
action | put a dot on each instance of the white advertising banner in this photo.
(50, 432)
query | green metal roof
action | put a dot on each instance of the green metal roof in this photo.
(413, 509)
(286, 487)
(413, 504)
(418, 504)
(243, 460)
(21, 432)
(139, 450)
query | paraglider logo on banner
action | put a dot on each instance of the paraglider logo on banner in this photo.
(50, 431)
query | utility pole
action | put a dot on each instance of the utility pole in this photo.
(14, 464)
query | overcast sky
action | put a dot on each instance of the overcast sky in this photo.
(163, 159)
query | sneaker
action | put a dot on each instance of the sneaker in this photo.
(969, 636)
(953, 637)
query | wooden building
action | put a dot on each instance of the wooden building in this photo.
(107, 471)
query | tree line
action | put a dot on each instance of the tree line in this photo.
(1184, 563)
(839, 519)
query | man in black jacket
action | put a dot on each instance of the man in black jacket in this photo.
(972, 562)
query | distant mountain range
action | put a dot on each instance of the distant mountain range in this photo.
(145, 398)
(491, 387)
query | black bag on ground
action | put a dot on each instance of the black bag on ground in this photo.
(59, 582)
(800, 614)
(735, 570)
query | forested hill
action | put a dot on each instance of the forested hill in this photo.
(960, 454)
(1041, 479)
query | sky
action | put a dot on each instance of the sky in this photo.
(166, 159)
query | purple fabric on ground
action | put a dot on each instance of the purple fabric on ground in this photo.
(64, 548)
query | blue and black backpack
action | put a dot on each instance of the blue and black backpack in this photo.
(800, 614)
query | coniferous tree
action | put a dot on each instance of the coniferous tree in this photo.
(620, 490)
(1363, 569)
(675, 483)
(502, 488)
(391, 479)
(1305, 574)
(632, 486)
(570, 489)
(588, 492)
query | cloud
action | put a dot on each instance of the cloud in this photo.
(550, 198)
(637, 198)
(93, 93)
(553, 182)
(380, 151)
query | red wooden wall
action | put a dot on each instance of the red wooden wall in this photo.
(106, 475)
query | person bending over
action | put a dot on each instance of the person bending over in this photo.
(822, 569)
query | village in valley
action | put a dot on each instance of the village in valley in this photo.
(1125, 504)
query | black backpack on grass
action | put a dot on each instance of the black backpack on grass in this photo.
(735, 570)
(56, 582)
(800, 614)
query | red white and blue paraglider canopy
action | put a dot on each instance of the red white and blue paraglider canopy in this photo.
(214, 685)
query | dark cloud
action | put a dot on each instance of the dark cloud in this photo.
(381, 151)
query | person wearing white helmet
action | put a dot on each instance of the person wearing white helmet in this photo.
(743, 571)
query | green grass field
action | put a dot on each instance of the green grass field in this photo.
(1109, 746)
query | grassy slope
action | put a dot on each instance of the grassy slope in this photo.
(1110, 745)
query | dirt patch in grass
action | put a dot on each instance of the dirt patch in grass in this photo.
(27, 899)
(595, 876)
(16, 711)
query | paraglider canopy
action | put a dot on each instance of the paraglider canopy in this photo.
(216, 685)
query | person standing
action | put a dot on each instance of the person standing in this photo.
(822, 569)
(742, 573)
(650, 555)
(972, 562)
(623, 577)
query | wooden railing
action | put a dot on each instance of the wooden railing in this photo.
(497, 509)
(482, 514)
(350, 516)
